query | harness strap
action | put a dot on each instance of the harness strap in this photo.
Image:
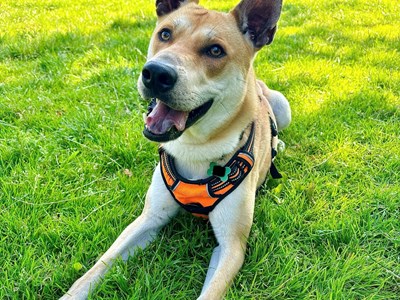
(200, 197)
(273, 170)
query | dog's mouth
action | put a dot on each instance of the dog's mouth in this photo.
(163, 123)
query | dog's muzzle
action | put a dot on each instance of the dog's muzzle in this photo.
(164, 123)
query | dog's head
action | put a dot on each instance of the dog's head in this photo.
(199, 61)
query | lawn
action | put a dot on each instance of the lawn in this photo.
(74, 167)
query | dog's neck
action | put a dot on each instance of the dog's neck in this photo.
(200, 145)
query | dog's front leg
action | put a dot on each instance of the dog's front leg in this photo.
(231, 221)
(158, 210)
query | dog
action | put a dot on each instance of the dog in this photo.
(217, 126)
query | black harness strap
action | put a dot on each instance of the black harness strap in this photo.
(273, 170)
(239, 167)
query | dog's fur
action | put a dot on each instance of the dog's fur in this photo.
(224, 75)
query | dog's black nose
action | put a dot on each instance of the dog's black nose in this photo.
(159, 77)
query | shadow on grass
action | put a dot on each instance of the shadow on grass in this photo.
(26, 47)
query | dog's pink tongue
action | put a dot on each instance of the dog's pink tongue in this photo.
(162, 118)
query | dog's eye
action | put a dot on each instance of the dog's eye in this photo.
(164, 35)
(215, 51)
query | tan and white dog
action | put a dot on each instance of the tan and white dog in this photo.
(208, 107)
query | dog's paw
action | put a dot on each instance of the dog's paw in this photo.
(281, 146)
(69, 296)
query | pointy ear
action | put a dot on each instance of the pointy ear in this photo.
(164, 7)
(257, 19)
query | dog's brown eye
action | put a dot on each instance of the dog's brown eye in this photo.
(215, 51)
(164, 35)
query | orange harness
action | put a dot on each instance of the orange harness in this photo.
(200, 197)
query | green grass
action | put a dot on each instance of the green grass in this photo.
(70, 124)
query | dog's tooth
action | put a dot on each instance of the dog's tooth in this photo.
(144, 117)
